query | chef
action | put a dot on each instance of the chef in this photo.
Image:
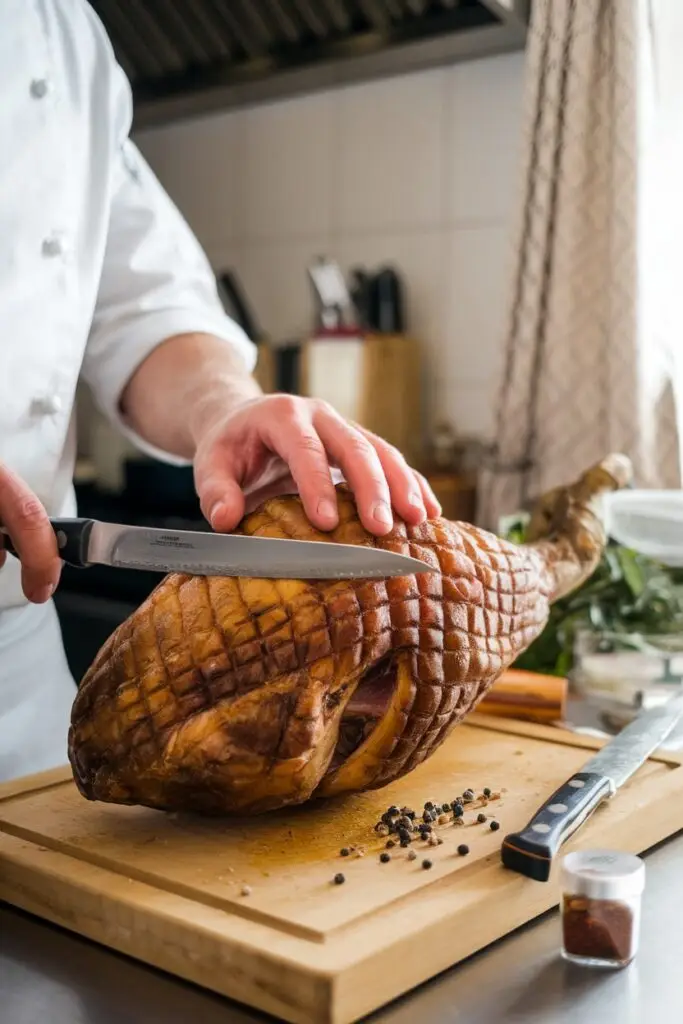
(102, 280)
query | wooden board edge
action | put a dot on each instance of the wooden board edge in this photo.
(94, 905)
(340, 982)
(555, 734)
(26, 784)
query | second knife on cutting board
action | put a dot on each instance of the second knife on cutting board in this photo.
(531, 851)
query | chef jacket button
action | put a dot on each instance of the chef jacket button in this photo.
(39, 88)
(52, 246)
(46, 405)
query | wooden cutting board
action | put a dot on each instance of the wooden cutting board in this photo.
(168, 889)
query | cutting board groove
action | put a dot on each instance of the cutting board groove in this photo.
(167, 889)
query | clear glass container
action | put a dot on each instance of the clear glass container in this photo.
(619, 671)
(601, 906)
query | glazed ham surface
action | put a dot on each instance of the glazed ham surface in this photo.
(238, 696)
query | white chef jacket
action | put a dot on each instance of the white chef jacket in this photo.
(97, 266)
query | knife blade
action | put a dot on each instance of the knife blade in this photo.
(531, 851)
(84, 542)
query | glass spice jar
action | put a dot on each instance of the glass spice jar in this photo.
(600, 908)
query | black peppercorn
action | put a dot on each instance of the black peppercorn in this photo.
(404, 836)
(463, 850)
(339, 879)
(445, 808)
(345, 851)
(393, 811)
(458, 811)
(405, 843)
(429, 806)
(385, 858)
(426, 864)
(468, 796)
(481, 818)
(390, 844)
(487, 792)
(494, 826)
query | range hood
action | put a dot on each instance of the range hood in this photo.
(189, 57)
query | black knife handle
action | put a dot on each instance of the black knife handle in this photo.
(531, 851)
(72, 540)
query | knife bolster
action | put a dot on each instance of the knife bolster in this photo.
(73, 536)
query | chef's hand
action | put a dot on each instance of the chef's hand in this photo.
(27, 523)
(279, 444)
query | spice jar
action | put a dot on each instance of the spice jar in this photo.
(600, 909)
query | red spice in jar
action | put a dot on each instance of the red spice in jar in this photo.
(597, 929)
(601, 895)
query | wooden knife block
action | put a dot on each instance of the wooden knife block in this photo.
(456, 493)
(374, 380)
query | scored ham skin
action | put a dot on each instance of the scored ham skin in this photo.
(226, 696)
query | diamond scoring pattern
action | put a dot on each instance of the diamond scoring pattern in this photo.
(222, 684)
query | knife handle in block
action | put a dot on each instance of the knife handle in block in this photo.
(531, 851)
(72, 540)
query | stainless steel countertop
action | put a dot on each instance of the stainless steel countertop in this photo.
(48, 976)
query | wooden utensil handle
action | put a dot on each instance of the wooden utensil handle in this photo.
(526, 696)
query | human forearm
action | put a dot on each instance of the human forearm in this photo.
(193, 398)
(183, 384)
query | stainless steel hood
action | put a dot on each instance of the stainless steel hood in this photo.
(188, 57)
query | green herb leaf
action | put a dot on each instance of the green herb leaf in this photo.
(629, 597)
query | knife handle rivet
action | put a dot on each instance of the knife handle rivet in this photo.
(577, 783)
(61, 539)
(540, 828)
(558, 808)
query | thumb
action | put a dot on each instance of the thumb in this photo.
(220, 495)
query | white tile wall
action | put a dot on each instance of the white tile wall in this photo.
(419, 171)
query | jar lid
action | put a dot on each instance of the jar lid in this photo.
(603, 874)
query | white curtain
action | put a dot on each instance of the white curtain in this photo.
(594, 337)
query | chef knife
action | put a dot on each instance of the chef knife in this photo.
(531, 851)
(84, 542)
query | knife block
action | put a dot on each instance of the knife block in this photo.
(373, 380)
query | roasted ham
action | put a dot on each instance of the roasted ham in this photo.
(237, 696)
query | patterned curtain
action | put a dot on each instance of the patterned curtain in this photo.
(590, 360)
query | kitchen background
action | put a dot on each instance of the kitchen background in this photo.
(415, 171)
